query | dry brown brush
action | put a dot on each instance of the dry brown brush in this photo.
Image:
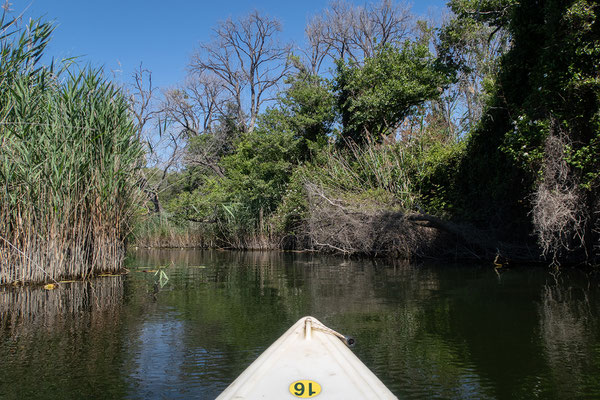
(349, 225)
(559, 212)
(362, 201)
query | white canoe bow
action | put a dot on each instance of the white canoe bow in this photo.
(307, 361)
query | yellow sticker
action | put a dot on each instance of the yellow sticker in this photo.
(305, 389)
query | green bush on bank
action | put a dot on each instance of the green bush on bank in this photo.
(238, 204)
(436, 180)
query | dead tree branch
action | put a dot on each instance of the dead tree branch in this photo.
(248, 61)
(345, 31)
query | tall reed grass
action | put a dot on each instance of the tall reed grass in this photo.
(68, 157)
(159, 231)
(382, 171)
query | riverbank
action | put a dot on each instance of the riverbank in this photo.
(371, 158)
(341, 229)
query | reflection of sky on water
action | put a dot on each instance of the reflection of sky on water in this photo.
(169, 361)
(157, 359)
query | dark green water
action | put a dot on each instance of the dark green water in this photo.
(427, 331)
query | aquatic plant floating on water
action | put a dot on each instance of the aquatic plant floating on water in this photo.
(162, 275)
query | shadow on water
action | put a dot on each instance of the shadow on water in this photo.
(428, 331)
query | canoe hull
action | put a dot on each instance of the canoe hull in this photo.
(307, 361)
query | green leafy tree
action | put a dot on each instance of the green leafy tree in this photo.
(373, 99)
(308, 107)
(254, 179)
(260, 167)
(541, 129)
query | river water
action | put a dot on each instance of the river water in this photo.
(427, 330)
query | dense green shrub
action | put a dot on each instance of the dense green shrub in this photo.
(375, 97)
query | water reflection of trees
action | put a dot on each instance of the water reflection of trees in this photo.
(36, 308)
(426, 331)
(569, 332)
(303, 283)
(408, 337)
(246, 300)
(61, 343)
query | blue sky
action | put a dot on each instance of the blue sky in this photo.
(121, 34)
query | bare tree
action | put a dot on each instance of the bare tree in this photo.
(163, 147)
(209, 97)
(141, 99)
(196, 105)
(180, 111)
(197, 110)
(248, 61)
(356, 32)
(318, 49)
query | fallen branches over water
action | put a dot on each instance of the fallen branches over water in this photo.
(358, 226)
